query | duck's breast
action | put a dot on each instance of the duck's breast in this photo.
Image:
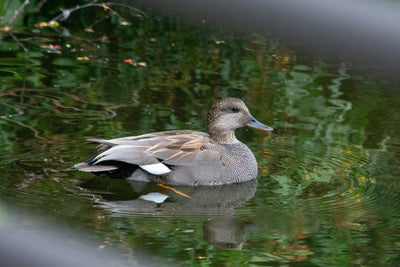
(231, 163)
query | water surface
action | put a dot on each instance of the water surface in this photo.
(327, 193)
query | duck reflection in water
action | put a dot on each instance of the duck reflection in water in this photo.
(214, 204)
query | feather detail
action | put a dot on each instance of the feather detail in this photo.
(94, 168)
(182, 147)
(156, 169)
(131, 154)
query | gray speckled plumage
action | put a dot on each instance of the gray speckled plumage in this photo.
(184, 157)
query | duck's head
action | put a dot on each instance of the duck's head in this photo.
(228, 114)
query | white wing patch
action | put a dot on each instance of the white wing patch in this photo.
(155, 197)
(156, 169)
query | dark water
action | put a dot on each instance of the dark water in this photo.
(327, 193)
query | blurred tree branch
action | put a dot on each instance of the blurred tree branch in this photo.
(17, 12)
(67, 12)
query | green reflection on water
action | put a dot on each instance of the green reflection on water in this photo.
(327, 192)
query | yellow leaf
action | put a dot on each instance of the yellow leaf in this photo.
(5, 29)
(85, 58)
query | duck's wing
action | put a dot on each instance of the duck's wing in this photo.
(154, 153)
(183, 149)
(150, 138)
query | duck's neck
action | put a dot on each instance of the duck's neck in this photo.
(223, 137)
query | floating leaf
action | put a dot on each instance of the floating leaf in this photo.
(85, 58)
(125, 23)
(5, 29)
(51, 24)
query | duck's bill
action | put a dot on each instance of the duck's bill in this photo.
(253, 123)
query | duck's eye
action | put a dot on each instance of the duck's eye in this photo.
(235, 109)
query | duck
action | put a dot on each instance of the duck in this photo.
(184, 157)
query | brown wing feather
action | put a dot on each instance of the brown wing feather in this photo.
(183, 147)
